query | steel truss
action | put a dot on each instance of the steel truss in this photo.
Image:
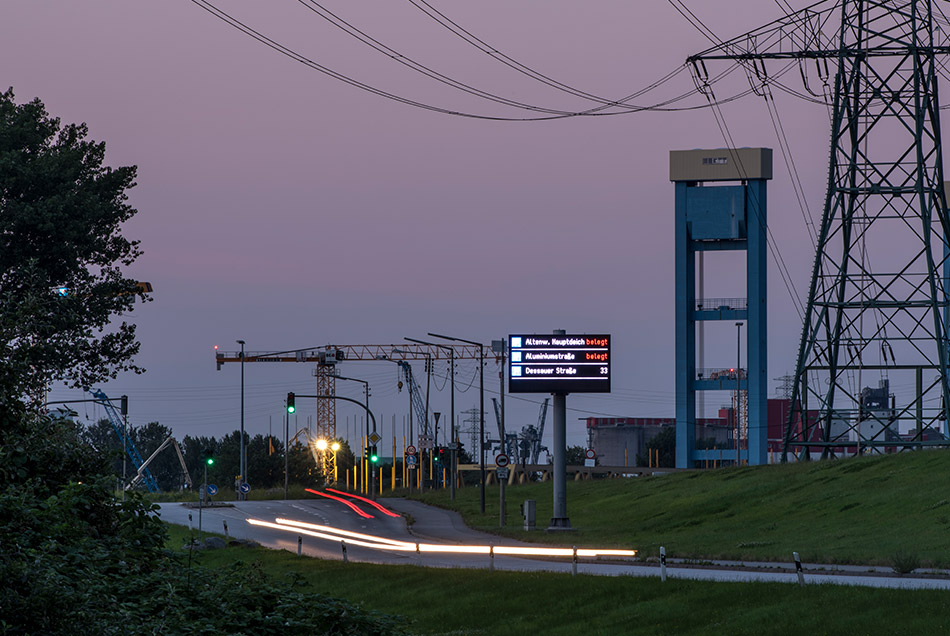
(877, 303)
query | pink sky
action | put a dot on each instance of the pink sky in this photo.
(285, 208)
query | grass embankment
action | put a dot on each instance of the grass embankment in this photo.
(862, 510)
(500, 603)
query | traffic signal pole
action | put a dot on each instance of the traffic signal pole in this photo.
(291, 400)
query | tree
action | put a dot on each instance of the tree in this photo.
(665, 443)
(575, 455)
(60, 256)
(265, 462)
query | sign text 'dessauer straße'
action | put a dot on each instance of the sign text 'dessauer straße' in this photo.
(559, 363)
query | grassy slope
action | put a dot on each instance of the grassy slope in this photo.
(863, 510)
(501, 603)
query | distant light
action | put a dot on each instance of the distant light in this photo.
(321, 444)
(335, 446)
(215, 347)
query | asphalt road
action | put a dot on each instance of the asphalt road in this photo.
(434, 525)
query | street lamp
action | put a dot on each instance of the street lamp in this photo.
(452, 445)
(243, 458)
(365, 406)
(481, 404)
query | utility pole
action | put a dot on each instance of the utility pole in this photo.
(453, 446)
(286, 452)
(498, 348)
(879, 281)
(243, 478)
(738, 390)
(481, 406)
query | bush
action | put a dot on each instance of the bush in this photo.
(73, 559)
(904, 562)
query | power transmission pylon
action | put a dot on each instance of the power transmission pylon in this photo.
(877, 302)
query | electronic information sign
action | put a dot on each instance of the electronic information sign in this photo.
(559, 364)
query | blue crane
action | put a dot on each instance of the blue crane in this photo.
(116, 420)
(414, 396)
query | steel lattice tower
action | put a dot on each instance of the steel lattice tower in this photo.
(876, 312)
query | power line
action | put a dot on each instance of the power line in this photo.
(554, 114)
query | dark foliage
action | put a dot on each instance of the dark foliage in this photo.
(73, 559)
(60, 214)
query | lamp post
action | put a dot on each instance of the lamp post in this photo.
(452, 446)
(481, 404)
(365, 406)
(738, 393)
(243, 458)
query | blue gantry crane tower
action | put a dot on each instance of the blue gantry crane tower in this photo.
(721, 206)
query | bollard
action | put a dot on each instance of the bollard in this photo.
(226, 529)
(299, 545)
(343, 543)
(662, 564)
(417, 547)
(491, 557)
(798, 569)
(190, 528)
(574, 562)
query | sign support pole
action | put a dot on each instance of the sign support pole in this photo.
(560, 521)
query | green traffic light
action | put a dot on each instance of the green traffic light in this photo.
(210, 461)
(291, 408)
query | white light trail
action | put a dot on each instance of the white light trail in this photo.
(382, 543)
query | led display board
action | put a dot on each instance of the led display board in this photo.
(559, 363)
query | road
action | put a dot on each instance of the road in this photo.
(434, 525)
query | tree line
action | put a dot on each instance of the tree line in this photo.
(265, 457)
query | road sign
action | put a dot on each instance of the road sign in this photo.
(590, 454)
(501, 460)
(502, 473)
(425, 442)
(410, 450)
(245, 488)
(411, 461)
(590, 463)
(374, 438)
(212, 490)
(556, 363)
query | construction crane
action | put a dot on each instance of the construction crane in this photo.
(116, 420)
(327, 357)
(171, 441)
(536, 446)
(415, 398)
(527, 444)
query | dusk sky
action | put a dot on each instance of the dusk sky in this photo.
(286, 208)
